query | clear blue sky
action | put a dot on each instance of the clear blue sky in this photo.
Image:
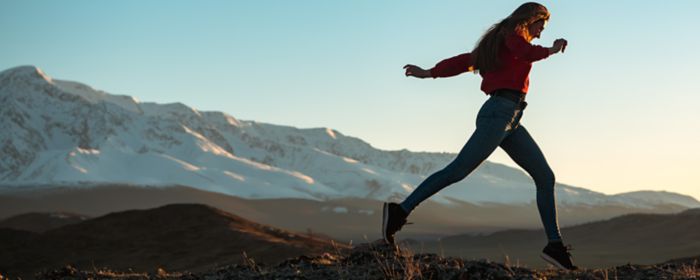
(617, 112)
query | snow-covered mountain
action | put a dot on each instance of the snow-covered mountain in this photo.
(56, 131)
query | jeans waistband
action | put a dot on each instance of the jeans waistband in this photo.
(512, 95)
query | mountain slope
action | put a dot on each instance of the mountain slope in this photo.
(40, 222)
(64, 132)
(632, 238)
(181, 236)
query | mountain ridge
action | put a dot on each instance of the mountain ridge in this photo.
(66, 132)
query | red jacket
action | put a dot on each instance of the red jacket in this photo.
(517, 56)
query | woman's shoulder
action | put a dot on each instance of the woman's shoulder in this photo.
(515, 36)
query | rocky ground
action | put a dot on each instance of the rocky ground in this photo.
(379, 261)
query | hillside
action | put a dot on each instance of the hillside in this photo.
(40, 222)
(175, 237)
(345, 219)
(191, 241)
(378, 261)
(634, 238)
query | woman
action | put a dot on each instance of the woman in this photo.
(503, 57)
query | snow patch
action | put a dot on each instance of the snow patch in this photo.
(232, 121)
(370, 171)
(303, 177)
(87, 151)
(186, 165)
(234, 176)
(340, 209)
(43, 75)
(407, 187)
(571, 191)
(349, 160)
(330, 133)
(80, 169)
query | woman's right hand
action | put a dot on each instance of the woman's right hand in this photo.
(415, 71)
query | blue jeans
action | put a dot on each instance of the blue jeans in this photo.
(497, 124)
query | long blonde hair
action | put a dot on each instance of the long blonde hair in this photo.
(485, 54)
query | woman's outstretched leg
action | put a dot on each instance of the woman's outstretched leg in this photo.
(480, 145)
(524, 151)
(492, 125)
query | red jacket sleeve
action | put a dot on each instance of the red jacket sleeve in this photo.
(453, 66)
(522, 49)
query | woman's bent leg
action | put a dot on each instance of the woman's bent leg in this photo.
(480, 145)
(524, 151)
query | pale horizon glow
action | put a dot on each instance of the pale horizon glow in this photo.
(617, 112)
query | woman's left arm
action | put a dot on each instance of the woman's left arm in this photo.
(453, 66)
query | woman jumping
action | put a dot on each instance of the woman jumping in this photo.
(503, 57)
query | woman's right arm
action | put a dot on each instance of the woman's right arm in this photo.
(522, 49)
(558, 45)
(446, 68)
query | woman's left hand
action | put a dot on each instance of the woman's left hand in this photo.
(415, 71)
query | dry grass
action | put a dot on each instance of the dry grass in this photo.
(689, 271)
(401, 265)
(250, 263)
(344, 269)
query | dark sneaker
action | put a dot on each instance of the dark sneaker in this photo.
(393, 219)
(558, 255)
